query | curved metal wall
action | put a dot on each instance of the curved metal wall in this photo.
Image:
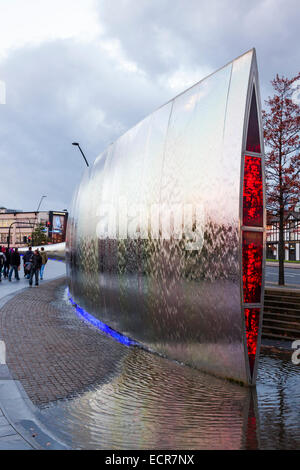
(154, 242)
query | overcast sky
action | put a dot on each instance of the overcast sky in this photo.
(88, 70)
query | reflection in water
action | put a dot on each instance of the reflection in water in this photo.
(278, 390)
(154, 403)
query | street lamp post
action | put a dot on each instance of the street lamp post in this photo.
(77, 144)
(40, 203)
(36, 216)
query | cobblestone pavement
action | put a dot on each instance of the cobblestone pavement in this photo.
(53, 353)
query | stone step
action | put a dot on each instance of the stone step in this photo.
(282, 295)
(282, 312)
(270, 322)
(287, 305)
(282, 316)
(278, 336)
(292, 333)
(282, 291)
(282, 300)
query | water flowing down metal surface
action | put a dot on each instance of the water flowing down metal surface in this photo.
(155, 237)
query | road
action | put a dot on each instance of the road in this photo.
(292, 276)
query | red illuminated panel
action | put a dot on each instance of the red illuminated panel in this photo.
(252, 193)
(252, 266)
(253, 141)
(252, 326)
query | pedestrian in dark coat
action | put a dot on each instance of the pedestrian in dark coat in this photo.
(35, 268)
(15, 262)
(7, 263)
(2, 261)
(26, 262)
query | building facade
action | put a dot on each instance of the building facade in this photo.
(291, 237)
(16, 227)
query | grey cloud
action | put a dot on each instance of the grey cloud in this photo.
(67, 90)
(209, 33)
(56, 94)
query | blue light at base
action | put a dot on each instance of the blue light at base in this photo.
(102, 326)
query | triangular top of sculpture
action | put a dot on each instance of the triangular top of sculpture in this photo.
(253, 139)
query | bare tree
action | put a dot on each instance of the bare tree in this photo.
(281, 132)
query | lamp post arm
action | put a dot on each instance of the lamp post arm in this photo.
(83, 155)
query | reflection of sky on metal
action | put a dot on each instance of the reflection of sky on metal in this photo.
(184, 304)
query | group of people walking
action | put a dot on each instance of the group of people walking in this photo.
(34, 263)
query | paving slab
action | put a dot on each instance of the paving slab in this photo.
(20, 427)
(52, 352)
(48, 354)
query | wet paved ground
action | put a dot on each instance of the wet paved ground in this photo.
(154, 403)
(20, 426)
(49, 349)
(92, 392)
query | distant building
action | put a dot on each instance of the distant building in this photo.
(4, 210)
(291, 236)
(21, 224)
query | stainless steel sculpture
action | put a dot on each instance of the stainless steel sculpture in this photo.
(165, 239)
